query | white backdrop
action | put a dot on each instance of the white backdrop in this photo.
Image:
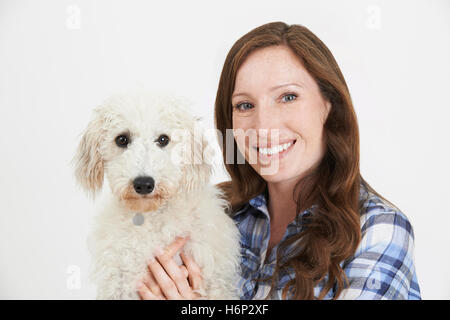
(59, 59)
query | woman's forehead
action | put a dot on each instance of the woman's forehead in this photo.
(271, 67)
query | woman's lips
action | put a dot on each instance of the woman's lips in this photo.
(277, 152)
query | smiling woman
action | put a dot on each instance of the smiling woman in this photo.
(294, 111)
(311, 226)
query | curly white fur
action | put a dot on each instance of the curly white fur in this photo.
(182, 202)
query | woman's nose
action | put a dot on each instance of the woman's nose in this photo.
(266, 119)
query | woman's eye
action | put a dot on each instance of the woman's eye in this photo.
(289, 97)
(243, 106)
(122, 141)
(163, 140)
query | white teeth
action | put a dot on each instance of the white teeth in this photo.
(275, 149)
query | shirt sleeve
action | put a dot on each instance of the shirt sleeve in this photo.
(383, 264)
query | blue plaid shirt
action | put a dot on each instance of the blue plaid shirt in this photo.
(381, 268)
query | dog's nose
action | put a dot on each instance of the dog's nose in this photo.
(143, 185)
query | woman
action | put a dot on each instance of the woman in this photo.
(311, 226)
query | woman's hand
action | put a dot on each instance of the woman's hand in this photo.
(167, 280)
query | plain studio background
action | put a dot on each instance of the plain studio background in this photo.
(59, 59)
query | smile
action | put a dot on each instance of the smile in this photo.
(275, 149)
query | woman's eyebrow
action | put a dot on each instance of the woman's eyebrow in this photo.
(239, 94)
(287, 84)
(271, 89)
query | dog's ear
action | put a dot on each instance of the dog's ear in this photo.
(198, 170)
(89, 167)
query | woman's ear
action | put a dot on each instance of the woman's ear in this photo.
(89, 168)
(328, 107)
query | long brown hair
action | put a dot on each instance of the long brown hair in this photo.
(332, 232)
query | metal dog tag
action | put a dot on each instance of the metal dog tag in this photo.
(138, 219)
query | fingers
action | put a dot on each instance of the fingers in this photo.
(171, 278)
(173, 248)
(145, 293)
(151, 284)
(194, 272)
(184, 271)
(164, 281)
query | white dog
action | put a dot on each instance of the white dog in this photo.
(136, 139)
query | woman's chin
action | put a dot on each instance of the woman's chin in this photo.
(273, 173)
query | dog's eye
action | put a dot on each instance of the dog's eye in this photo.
(122, 141)
(163, 140)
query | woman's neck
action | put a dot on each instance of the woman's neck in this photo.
(282, 210)
(281, 204)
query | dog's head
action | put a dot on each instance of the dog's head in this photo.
(150, 147)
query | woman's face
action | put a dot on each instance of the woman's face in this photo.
(278, 114)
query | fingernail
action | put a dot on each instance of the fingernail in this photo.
(151, 259)
(158, 251)
(140, 284)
